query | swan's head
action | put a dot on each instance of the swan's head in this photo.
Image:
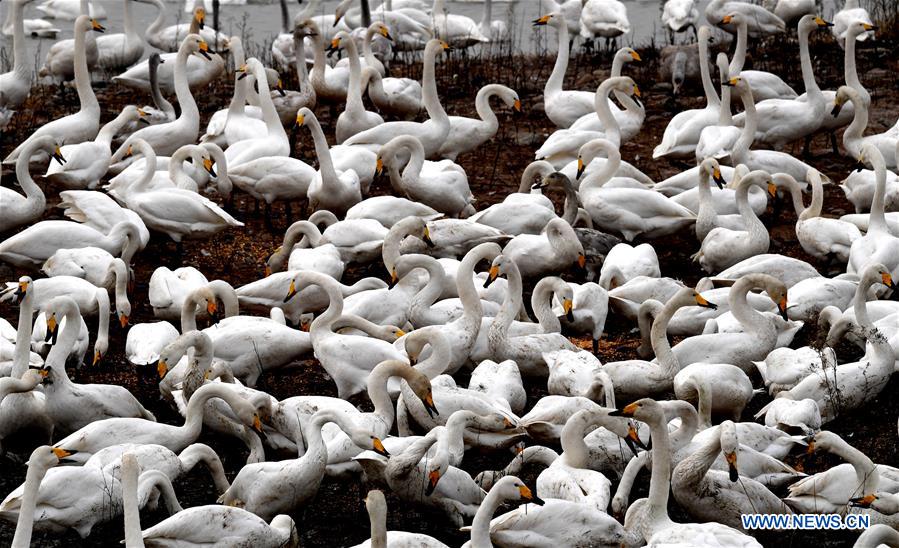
(877, 273)
(46, 457)
(729, 445)
(97, 27)
(593, 149)
(646, 410)
(825, 440)
(844, 94)
(382, 29)
(195, 44)
(711, 168)
(200, 17)
(624, 84)
(777, 292)
(556, 179)
(304, 115)
(885, 503)
(22, 287)
(285, 524)
(554, 19)
(500, 266)
(512, 488)
(368, 441)
(857, 28)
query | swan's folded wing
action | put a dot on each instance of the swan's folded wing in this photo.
(160, 293)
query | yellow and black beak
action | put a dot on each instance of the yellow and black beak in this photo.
(627, 411)
(123, 320)
(732, 82)
(701, 301)
(491, 275)
(581, 167)
(868, 26)
(517, 105)
(635, 56)
(568, 308)
(212, 309)
(428, 402)
(142, 117)
(386, 33)
(21, 290)
(426, 237)
(822, 23)
(291, 291)
(782, 307)
(637, 91)
(200, 16)
(207, 165)
(97, 27)
(57, 155)
(63, 454)
(129, 151)
(280, 87)
(162, 368)
(379, 166)
(887, 279)
(719, 180)
(244, 72)
(52, 327)
(204, 50)
(300, 120)
(732, 471)
(445, 46)
(378, 447)
(541, 21)
(527, 495)
(433, 479)
(97, 357)
(862, 502)
(837, 107)
(257, 424)
(581, 261)
(772, 189)
(633, 439)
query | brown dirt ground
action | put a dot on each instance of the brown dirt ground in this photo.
(337, 517)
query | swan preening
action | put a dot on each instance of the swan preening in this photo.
(433, 304)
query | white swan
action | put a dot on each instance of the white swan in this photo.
(381, 537)
(331, 188)
(17, 209)
(100, 434)
(604, 18)
(760, 21)
(467, 134)
(630, 211)
(198, 525)
(740, 349)
(842, 20)
(781, 121)
(431, 133)
(716, 141)
(330, 84)
(16, 84)
(562, 107)
(84, 124)
(458, 31)
(765, 85)
(117, 51)
(176, 212)
(42, 459)
(32, 247)
(269, 488)
(878, 244)
(167, 138)
(822, 237)
(555, 249)
(69, 10)
(61, 59)
(354, 118)
(525, 350)
(723, 247)
(86, 163)
(678, 15)
(721, 388)
(169, 38)
(853, 140)
(442, 185)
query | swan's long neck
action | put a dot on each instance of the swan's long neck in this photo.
(239, 98)
(412, 171)
(877, 220)
(33, 193)
(82, 75)
(269, 114)
(555, 80)
(511, 303)
(157, 23)
(697, 464)
(659, 482)
(367, 54)
(377, 390)
(182, 89)
(377, 516)
(751, 319)
(285, 17)
(300, 231)
(161, 102)
(429, 294)
(33, 477)
(741, 147)
(108, 131)
(325, 164)
(850, 73)
(540, 303)
(480, 526)
(473, 311)
(199, 452)
(853, 134)
(20, 66)
(335, 301)
(130, 31)
(429, 96)
(574, 448)
(189, 313)
(66, 341)
(437, 362)
(482, 106)
(739, 58)
(814, 208)
(354, 88)
(604, 112)
(704, 392)
(102, 342)
(711, 96)
(658, 334)
(225, 292)
(805, 59)
(193, 416)
(601, 176)
(129, 479)
(757, 230)
(570, 208)
(299, 49)
(866, 472)
(706, 206)
(23, 333)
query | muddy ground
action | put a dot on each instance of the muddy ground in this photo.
(337, 517)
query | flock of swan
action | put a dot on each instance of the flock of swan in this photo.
(433, 315)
